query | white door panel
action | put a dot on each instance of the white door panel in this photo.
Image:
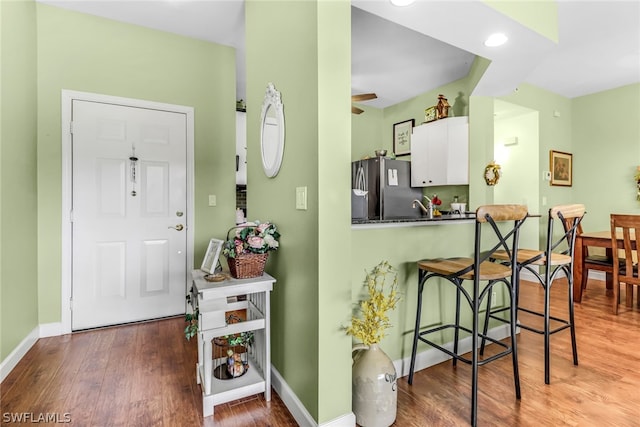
(129, 261)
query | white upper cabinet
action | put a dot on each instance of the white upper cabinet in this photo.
(440, 153)
(241, 148)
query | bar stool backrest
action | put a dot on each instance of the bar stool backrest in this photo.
(570, 216)
(506, 238)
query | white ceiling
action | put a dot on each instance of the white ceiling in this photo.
(598, 49)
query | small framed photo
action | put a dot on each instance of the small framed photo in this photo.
(210, 261)
(561, 165)
(402, 137)
(430, 114)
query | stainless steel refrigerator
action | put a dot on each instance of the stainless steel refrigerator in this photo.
(381, 189)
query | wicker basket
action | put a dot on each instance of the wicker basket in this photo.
(246, 266)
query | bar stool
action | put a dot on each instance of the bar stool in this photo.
(477, 269)
(556, 259)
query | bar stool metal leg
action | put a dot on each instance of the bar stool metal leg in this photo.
(476, 270)
(416, 331)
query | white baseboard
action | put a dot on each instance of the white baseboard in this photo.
(41, 331)
(593, 275)
(290, 400)
(51, 330)
(347, 420)
(297, 409)
(597, 275)
(18, 353)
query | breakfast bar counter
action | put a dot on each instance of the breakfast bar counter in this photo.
(445, 218)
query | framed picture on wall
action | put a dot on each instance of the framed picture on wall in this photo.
(561, 165)
(402, 137)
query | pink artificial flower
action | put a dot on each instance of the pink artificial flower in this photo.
(256, 242)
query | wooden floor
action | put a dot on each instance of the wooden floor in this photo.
(143, 375)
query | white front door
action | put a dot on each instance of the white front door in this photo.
(129, 201)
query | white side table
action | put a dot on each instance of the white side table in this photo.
(214, 299)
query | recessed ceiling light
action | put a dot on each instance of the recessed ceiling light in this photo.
(402, 2)
(497, 39)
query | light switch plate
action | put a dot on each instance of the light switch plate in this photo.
(301, 198)
(212, 200)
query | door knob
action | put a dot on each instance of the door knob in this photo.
(178, 227)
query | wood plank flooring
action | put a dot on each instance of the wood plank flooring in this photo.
(144, 375)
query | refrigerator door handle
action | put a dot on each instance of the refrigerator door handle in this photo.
(361, 186)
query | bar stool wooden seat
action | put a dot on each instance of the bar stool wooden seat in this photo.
(496, 228)
(555, 260)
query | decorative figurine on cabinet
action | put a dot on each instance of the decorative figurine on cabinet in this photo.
(442, 108)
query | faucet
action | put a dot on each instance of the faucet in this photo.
(427, 210)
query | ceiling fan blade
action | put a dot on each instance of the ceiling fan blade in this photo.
(356, 110)
(363, 97)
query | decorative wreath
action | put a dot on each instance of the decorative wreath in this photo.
(492, 173)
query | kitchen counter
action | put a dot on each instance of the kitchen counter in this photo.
(445, 218)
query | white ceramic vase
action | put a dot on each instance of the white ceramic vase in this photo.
(374, 387)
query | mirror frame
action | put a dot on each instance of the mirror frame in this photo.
(273, 100)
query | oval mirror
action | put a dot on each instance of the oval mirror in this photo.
(272, 131)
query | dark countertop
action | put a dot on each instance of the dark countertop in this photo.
(445, 218)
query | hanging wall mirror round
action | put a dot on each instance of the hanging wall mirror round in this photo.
(272, 131)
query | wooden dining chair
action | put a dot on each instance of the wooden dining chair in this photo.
(596, 262)
(626, 228)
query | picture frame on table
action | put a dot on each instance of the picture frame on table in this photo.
(210, 261)
(561, 166)
(402, 137)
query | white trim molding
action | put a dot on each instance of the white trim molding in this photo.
(297, 409)
(18, 353)
(51, 330)
(290, 400)
(347, 420)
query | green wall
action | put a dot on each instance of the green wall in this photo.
(606, 153)
(369, 132)
(90, 54)
(322, 262)
(18, 227)
(299, 46)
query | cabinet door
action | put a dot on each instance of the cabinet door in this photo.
(429, 155)
(440, 153)
(458, 151)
